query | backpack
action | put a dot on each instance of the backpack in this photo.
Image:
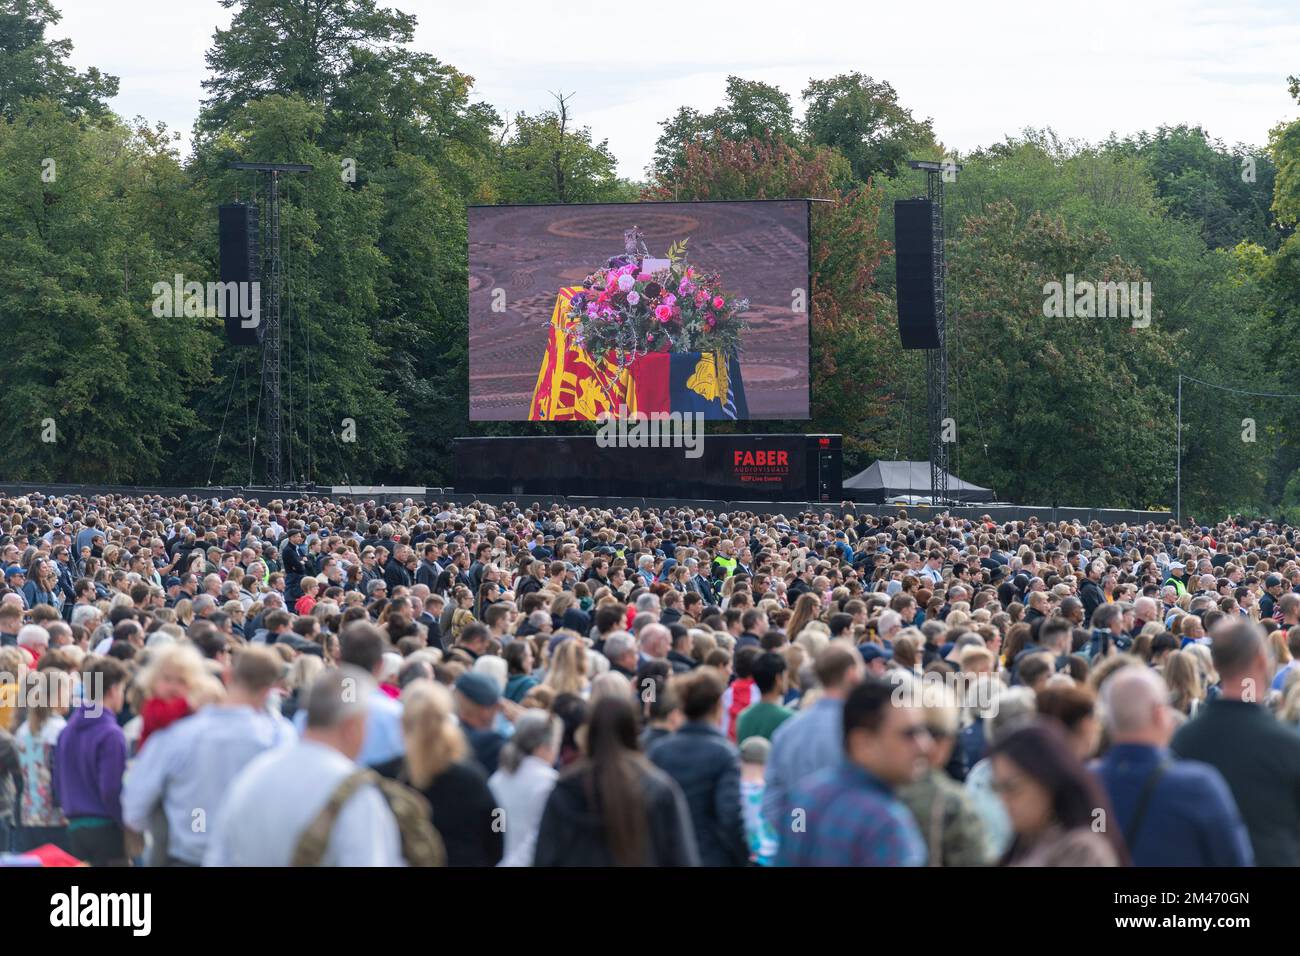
(421, 843)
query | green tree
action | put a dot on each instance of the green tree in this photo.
(33, 66)
(751, 110)
(96, 383)
(863, 119)
(1225, 191)
(1075, 409)
(292, 48)
(545, 159)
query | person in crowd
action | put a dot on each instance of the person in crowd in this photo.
(707, 768)
(519, 664)
(1256, 754)
(1006, 710)
(280, 795)
(945, 813)
(39, 816)
(849, 814)
(1171, 812)
(1052, 800)
(89, 763)
(440, 765)
(764, 716)
(524, 780)
(812, 739)
(613, 807)
(759, 834)
(189, 766)
(478, 702)
(169, 685)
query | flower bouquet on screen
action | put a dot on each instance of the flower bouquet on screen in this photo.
(624, 312)
(644, 335)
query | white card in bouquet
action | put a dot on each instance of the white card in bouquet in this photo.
(654, 265)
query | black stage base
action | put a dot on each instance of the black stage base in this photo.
(731, 467)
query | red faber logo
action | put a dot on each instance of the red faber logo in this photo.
(761, 459)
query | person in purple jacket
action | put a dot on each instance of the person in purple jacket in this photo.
(88, 766)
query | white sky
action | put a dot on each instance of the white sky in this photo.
(980, 70)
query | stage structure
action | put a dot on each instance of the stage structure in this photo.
(274, 340)
(766, 467)
(924, 325)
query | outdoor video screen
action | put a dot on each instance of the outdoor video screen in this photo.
(626, 308)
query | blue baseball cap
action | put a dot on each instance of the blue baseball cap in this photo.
(871, 652)
(14, 569)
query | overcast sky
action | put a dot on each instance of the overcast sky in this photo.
(982, 71)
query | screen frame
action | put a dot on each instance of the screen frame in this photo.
(808, 277)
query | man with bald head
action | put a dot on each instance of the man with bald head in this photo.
(656, 641)
(1146, 610)
(1258, 755)
(1171, 812)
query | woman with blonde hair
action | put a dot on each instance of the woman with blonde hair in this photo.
(1278, 651)
(807, 608)
(1186, 689)
(1209, 676)
(1289, 712)
(701, 643)
(813, 639)
(567, 670)
(436, 764)
(458, 614)
(40, 818)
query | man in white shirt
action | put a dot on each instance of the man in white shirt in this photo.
(279, 794)
(524, 782)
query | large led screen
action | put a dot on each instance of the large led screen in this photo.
(639, 308)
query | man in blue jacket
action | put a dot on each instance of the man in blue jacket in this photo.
(1171, 812)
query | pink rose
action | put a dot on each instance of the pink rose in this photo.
(644, 277)
(718, 302)
(663, 313)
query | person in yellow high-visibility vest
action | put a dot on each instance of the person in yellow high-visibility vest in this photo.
(724, 562)
(1175, 579)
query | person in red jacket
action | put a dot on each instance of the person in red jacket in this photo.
(742, 691)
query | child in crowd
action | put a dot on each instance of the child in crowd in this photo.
(758, 832)
(172, 685)
(310, 589)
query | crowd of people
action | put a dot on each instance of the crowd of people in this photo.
(190, 682)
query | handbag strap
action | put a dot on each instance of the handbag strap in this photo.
(1144, 801)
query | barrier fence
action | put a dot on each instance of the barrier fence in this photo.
(427, 495)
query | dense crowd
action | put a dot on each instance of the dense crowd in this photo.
(322, 681)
